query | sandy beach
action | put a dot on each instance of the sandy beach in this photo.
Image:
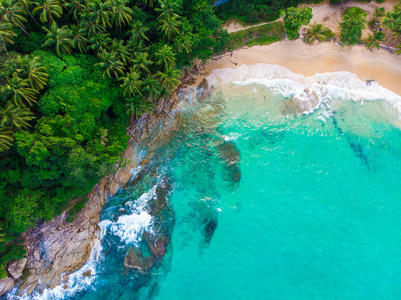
(307, 60)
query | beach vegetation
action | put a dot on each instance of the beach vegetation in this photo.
(351, 26)
(317, 32)
(258, 35)
(294, 18)
(373, 41)
(253, 12)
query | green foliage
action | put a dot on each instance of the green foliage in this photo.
(317, 32)
(351, 26)
(375, 39)
(259, 35)
(253, 12)
(3, 271)
(8, 63)
(294, 18)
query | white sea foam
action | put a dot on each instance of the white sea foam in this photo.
(129, 228)
(327, 86)
(75, 283)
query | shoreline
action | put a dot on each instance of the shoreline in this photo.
(300, 58)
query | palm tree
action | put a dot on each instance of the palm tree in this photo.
(6, 138)
(122, 51)
(317, 32)
(131, 82)
(169, 27)
(110, 62)
(184, 43)
(373, 40)
(121, 13)
(78, 38)
(142, 61)
(75, 8)
(100, 12)
(379, 12)
(19, 90)
(25, 4)
(170, 78)
(138, 106)
(151, 86)
(392, 19)
(165, 56)
(59, 38)
(89, 24)
(100, 42)
(167, 8)
(13, 13)
(48, 10)
(33, 71)
(15, 117)
(6, 34)
(138, 32)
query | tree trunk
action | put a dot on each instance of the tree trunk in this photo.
(23, 29)
(27, 10)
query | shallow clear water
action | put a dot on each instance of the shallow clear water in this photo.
(263, 203)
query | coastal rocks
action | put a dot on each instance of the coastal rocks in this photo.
(6, 284)
(300, 104)
(369, 82)
(231, 157)
(16, 268)
(153, 246)
(56, 249)
(136, 260)
(87, 273)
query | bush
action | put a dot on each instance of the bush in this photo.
(294, 18)
(353, 22)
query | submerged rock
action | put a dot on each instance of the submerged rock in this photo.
(160, 201)
(135, 260)
(209, 230)
(303, 103)
(231, 157)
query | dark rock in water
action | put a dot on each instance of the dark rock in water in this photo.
(157, 244)
(209, 230)
(203, 89)
(160, 201)
(357, 148)
(369, 82)
(204, 84)
(231, 156)
(87, 273)
(228, 152)
(135, 260)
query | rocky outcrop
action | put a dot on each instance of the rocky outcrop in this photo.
(153, 243)
(56, 248)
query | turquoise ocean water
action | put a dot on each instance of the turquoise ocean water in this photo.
(264, 201)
